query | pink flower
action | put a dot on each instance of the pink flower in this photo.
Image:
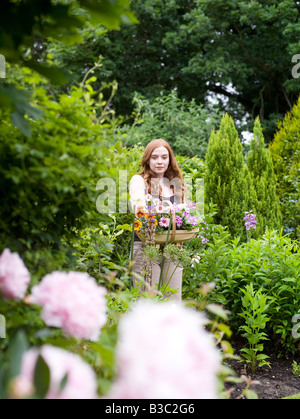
(178, 221)
(156, 202)
(250, 220)
(165, 352)
(73, 302)
(164, 222)
(191, 205)
(159, 208)
(14, 276)
(81, 379)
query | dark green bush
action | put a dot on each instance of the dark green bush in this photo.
(271, 264)
(48, 181)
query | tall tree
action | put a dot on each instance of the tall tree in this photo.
(285, 151)
(227, 180)
(241, 50)
(260, 165)
(25, 25)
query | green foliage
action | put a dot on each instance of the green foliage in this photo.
(237, 52)
(293, 397)
(185, 125)
(50, 178)
(285, 151)
(213, 254)
(296, 368)
(255, 306)
(10, 366)
(271, 264)
(57, 19)
(260, 165)
(228, 184)
(226, 266)
(242, 50)
(27, 25)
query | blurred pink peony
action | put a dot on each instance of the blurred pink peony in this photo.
(73, 302)
(14, 276)
(165, 352)
(81, 379)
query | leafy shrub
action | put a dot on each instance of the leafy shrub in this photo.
(260, 165)
(228, 183)
(285, 151)
(255, 305)
(49, 179)
(185, 125)
(271, 264)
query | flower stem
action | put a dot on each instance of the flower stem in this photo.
(172, 274)
(167, 271)
(132, 234)
(163, 260)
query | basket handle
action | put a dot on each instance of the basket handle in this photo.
(173, 229)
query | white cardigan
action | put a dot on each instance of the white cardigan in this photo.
(138, 191)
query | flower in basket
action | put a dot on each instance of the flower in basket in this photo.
(183, 214)
(159, 215)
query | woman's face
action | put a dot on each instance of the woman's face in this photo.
(159, 161)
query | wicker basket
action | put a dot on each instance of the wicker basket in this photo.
(176, 236)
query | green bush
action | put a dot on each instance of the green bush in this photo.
(285, 151)
(260, 165)
(228, 183)
(271, 264)
(49, 179)
(185, 125)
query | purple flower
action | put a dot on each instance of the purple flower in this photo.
(178, 221)
(250, 220)
(191, 205)
(192, 220)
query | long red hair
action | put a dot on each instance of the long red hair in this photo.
(172, 172)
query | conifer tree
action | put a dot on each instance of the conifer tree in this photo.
(285, 152)
(260, 165)
(228, 182)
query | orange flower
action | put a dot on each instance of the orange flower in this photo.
(148, 216)
(152, 221)
(140, 212)
(137, 225)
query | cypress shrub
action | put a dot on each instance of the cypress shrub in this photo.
(228, 183)
(260, 165)
(285, 152)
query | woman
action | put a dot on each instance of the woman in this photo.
(161, 178)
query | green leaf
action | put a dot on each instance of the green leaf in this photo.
(16, 350)
(106, 353)
(53, 74)
(293, 397)
(110, 13)
(250, 394)
(41, 378)
(218, 311)
(63, 383)
(20, 122)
